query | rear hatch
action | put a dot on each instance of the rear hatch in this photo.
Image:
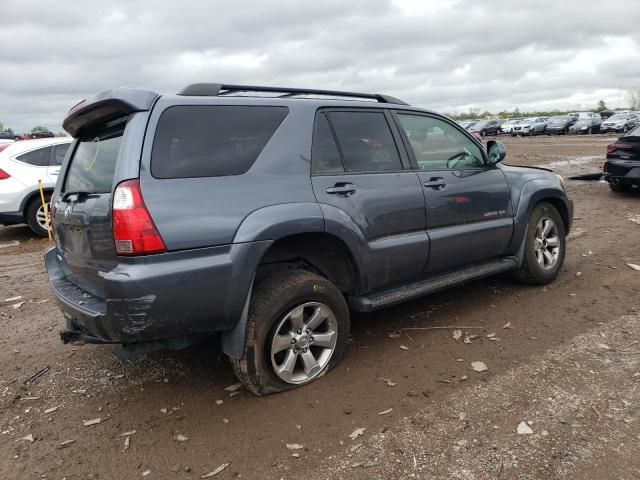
(82, 210)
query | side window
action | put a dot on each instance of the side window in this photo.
(37, 158)
(325, 156)
(438, 145)
(59, 151)
(212, 140)
(365, 141)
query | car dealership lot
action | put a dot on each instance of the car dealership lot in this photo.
(538, 371)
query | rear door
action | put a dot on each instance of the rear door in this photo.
(358, 169)
(82, 215)
(468, 207)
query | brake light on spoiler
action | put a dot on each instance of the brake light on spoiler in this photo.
(133, 229)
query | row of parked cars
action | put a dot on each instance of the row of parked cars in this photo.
(573, 123)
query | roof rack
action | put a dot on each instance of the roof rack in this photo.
(218, 89)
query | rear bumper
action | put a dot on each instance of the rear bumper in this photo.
(625, 171)
(160, 296)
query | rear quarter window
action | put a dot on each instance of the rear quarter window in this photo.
(37, 158)
(212, 140)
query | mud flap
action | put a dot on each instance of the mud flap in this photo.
(233, 340)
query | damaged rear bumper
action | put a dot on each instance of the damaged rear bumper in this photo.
(160, 297)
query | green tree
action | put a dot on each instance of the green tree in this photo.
(1, 127)
(633, 97)
(601, 106)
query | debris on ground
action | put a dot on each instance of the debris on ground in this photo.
(384, 412)
(479, 366)
(365, 464)
(507, 325)
(356, 433)
(216, 471)
(404, 347)
(13, 299)
(181, 438)
(234, 387)
(66, 443)
(457, 334)
(16, 306)
(28, 438)
(88, 423)
(294, 446)
(634, 266)
(389, 382)
(36, 375)
(51, 410)
(524, 429)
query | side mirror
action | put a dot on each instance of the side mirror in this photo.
(495, 151)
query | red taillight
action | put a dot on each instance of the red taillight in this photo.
(133, 229)
(605, 167)
(618, 146)
(4, 175)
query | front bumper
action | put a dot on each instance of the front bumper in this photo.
(554, 130)
(159, 297)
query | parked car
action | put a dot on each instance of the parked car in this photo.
(466, 124)
(508, 125)
(41, 134)
(529, 126)
(486, 127)
(22, 164)
(620, 122)
(587, 123)
(268, 218)
(7, 135)
(622, 167)
(559, 125)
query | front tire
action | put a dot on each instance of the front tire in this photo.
(545, 246)
(619, 187)
(296, 332)
(35, 217)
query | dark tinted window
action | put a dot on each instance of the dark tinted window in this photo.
(94, 161)
(325, 156)
(211, 141)
(59, 151)
(38, 158)
(365, 141)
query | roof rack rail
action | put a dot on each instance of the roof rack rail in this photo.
(217, 89)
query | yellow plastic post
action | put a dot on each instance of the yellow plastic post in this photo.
(44, 207)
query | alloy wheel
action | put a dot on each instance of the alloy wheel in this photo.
(303, 343)
(547, 243)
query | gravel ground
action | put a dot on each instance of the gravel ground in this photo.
(568, 365)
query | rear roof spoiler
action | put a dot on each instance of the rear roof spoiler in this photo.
(107, 105)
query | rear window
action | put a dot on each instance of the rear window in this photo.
(212, 140)
(94, 160)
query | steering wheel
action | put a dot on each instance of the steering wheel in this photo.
(452, 161)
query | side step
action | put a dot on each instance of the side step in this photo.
(396, 295)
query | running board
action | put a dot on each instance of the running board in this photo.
(395, 295)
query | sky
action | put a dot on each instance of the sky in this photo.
(448, 56)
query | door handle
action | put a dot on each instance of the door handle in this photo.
(435, 182)
(342, 189)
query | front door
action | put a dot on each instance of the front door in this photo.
(358, 170)
(469, 214)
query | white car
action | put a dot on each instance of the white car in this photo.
(22, 164)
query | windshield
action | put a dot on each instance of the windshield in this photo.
(558, 118)
(618, 116)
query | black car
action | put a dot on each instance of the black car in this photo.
(41, 134)
(559, 125)
(622, 168)
(486, 127)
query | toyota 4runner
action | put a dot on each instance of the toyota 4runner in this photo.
(266, 214)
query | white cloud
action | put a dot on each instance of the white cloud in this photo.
(445, 55)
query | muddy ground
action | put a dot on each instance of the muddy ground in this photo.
(568, 364)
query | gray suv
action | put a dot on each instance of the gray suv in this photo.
(268, 214)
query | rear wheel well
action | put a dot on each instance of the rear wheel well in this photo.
(320, 253)
(562, 210)
(33, 196)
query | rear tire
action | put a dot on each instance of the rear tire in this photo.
(542, 262)
(278, 305)
(620, 187)
(34, 215)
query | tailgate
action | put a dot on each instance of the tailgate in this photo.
(82, 210)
